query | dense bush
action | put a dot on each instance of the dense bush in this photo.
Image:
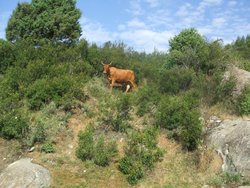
(174, 80)
(224, 91)
(146, 99)
(141, 154)
(103, 152)
(13, 125)
(99, 150)
(243, 102)
(178, 114)
(85, 149)
(132, 168)
(45, 90)
(7, 56)
(218, 89)
(115, 112)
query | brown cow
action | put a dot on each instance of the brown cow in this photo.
(119, 76)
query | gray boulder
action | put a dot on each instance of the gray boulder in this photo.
(242, 79)
(24, 174)
(231, 139)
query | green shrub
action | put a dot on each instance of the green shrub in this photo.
(61, 90)
(146, 99)
(136, 173)
(37, 134)
(225, 89)
(231, 177)
(6, 55)
(246, 181)
(132, 168)
(115, 112)
(13, 125)
(174, 80)
(243, 102)
(47, 148)
(191, 130)
(126, 164)
(123, 107)
(85, 149)
(141, 154)
(100, 151)
(180, 115)
(216, 181)
(171, 112)
(103, 152)
(245, 64)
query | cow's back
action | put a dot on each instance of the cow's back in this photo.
(121, 75)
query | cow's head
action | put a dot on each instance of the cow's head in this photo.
(106, 68)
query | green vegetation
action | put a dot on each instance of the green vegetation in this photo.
(244, 102)
(230, 179)
(141, 154)
(181, 117)
(99, 150)
(48, 74)
(47, 148)
(40, 21)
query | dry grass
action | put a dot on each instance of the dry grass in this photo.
(10, 151)
(180, 169)
(177, 169)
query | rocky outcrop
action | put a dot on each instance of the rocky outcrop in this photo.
(231, 138)
(242, 79)
(25, 174)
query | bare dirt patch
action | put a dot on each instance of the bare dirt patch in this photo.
(10, 151)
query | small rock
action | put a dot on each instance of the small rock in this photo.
(31, 149)
(205, 186)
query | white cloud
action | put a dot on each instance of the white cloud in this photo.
(135, 33)
(94, 31)
(153, 3)
(184, 10)
(147, 40)
(208, 3)
(135, 8)
(218, 22)
(159, 18)
(205, 30)
(136, 23)
(232, 3)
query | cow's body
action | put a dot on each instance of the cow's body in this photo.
(119, 76)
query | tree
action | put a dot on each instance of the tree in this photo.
(53, 20)
(6, 55)
(188, 49)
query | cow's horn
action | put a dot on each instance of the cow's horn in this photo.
(110, 63)
(102, 63)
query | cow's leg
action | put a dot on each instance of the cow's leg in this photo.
(127, 88)
(133, 84)
(112, 84)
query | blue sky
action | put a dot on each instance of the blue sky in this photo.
(146, 25)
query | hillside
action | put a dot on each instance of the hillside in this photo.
(68, 171)
(56, 107)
